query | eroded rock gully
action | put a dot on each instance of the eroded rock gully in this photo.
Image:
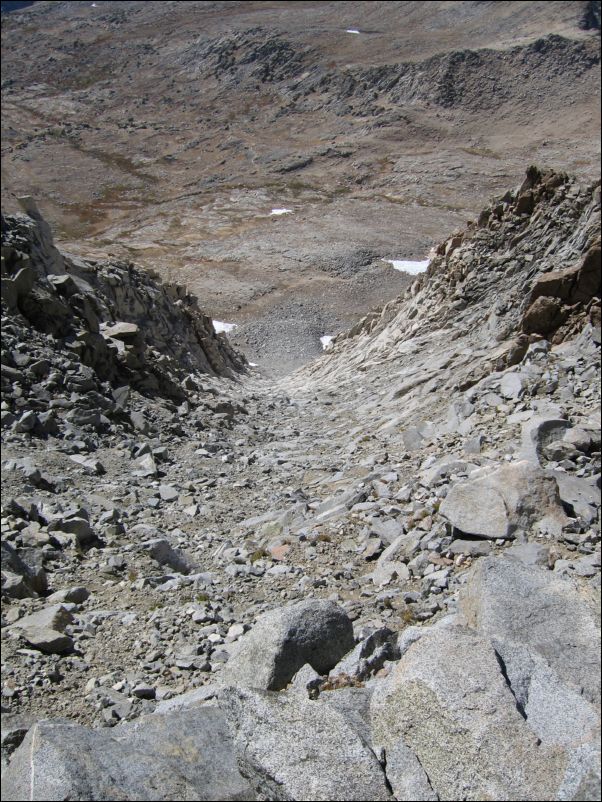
(378, 578)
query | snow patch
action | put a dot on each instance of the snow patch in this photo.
(220, 326)
(352, 30)
(405, 266)
(326, 341)
(281, 211)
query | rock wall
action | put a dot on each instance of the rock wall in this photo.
(118, 320)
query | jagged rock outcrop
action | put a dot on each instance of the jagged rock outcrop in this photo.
(448, 80)
(115, 318)
(253, 55)
(481, 284)
(560, 295)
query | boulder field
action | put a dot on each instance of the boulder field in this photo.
(376, 578)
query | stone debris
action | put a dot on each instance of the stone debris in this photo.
(377, 578)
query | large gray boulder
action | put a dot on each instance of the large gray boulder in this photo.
(495, 504)
(316, 632)
(292, 748)
(447, 703)
(188, 755)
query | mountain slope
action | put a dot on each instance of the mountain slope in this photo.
(437, 475)
(168, 132)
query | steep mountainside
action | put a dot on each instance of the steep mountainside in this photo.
(424, 500)
(301, 447)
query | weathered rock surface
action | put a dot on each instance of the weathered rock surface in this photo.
(529, 606)
(188, 755)
(290, 748)
(448, 702)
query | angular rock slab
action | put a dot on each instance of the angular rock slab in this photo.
(447, 703)
(554, 710)
(165, 554)
(183, 756)
(316, 632)
(494, 504)
(512, 385)
(55, 616)
(290, 748)
(406, 776)
(44, 630)
(581, 494)
(523, 604)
